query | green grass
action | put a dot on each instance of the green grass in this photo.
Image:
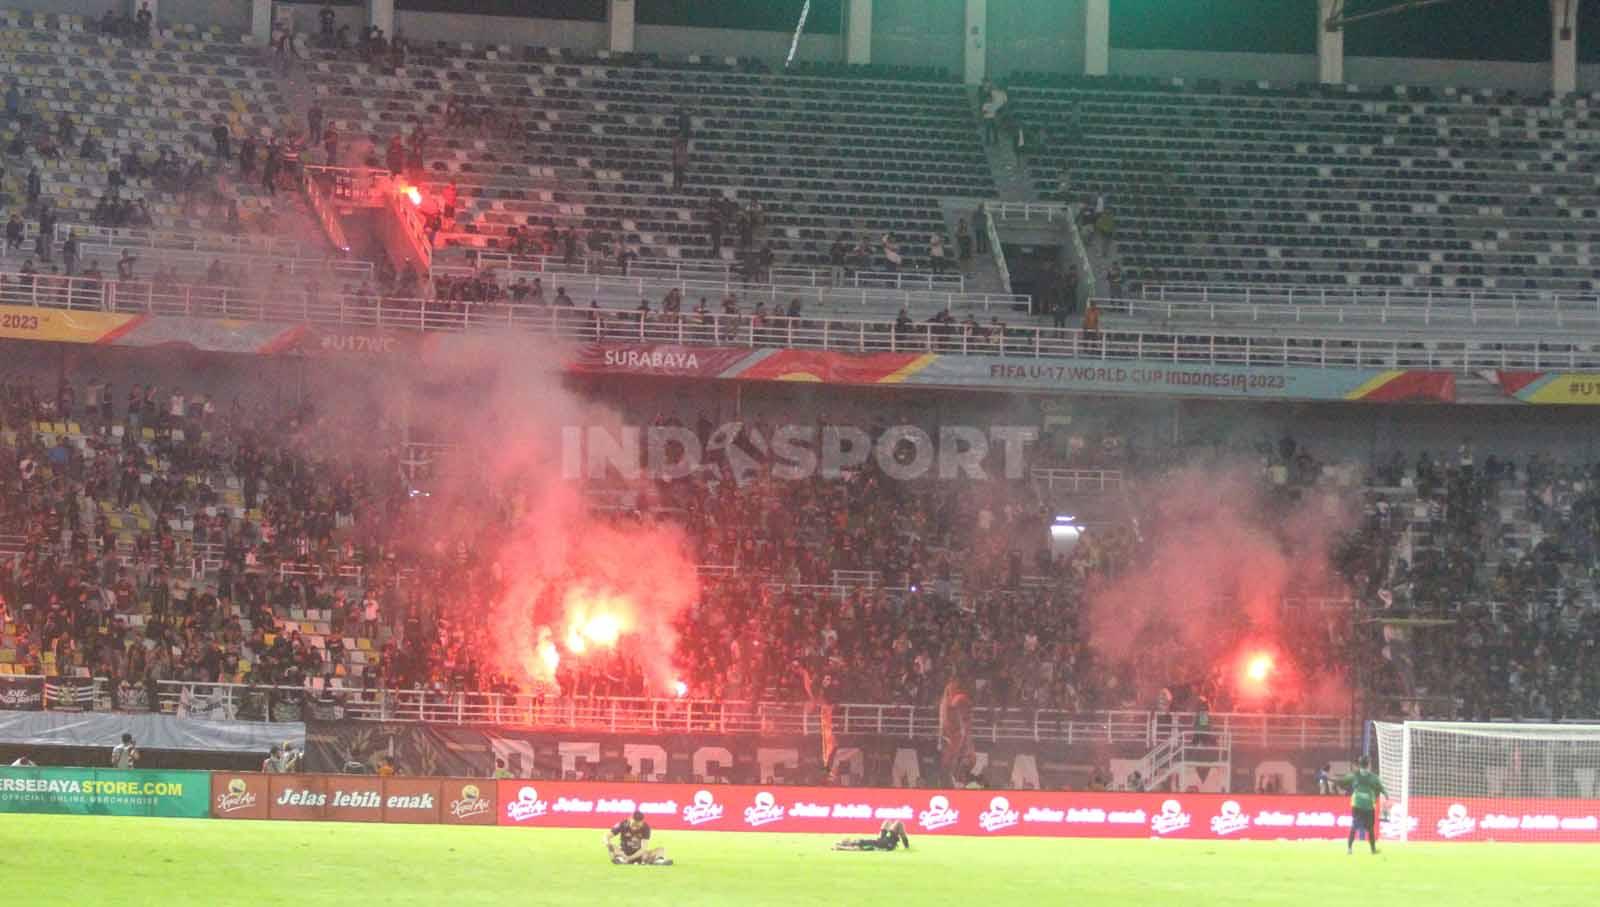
(80, 860)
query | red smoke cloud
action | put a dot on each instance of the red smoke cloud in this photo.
(1205, 594)
(569, 582)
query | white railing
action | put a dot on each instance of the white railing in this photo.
(365, 186)
(1087, 282)
(1492, 308)
(664, 715)
(654, 277)
(1194, 349)
(999, 251)
(718, 270)
(169, 240)
(1547, 314)
(1078, 481)
(1049, 212)
(257, 267)
(326, 214)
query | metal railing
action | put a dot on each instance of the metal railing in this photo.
(655, 277)
(1190, 349)
(1049, 212)
(661, 715)
(1356, 305)
(1356, 313)
(256, 267)
(1087, 282)
(327, 216)
(169, 240)
(1078, 481)
(366, 186)
(997, 249)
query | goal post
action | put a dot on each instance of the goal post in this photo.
(1468, 781)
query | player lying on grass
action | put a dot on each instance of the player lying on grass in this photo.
(891, 834)
(1365, 788)
(625, 842)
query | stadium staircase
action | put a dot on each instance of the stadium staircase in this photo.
(1184, 755)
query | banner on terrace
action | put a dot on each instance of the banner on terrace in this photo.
(1560, 388)
(471, 751)
(1043, 375)
(22, 694)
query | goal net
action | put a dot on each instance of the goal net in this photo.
(1457, 781)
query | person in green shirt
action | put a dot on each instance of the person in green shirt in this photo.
(1365, 788)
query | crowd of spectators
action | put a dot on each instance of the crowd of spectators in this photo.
(169, 505)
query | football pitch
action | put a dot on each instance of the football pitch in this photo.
(92, 860)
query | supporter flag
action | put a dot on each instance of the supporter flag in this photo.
(22, 694)
(955, 726)
(70, 693)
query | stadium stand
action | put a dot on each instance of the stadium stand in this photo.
(175, 540)
(1326, 186)
(824, 157)
(120, 131)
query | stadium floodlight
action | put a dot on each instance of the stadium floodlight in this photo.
(1469, 780)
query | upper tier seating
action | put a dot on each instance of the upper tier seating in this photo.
(825, 156)
(138, 98)
(1396, 187)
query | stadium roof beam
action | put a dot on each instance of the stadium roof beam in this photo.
(1339, 19)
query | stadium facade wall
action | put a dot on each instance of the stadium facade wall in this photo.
(919, 33)
(681, 41)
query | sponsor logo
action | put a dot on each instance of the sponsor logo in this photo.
(1456, 823)
(765, 811)
(938, 814)
(526, 806)
(1393, 825)
(1230, 820)
(238, 796)
(705, 808)
(470, 803)
(999, 815)
(1171, 818)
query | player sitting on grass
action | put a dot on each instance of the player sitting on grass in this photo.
(1365, 788)
(891, 834)
(634, 833)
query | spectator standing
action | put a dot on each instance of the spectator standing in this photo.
(69, 253)
(325, 18)
(680, 161)
(314, 122)
(937, 261)
(125, 755)
(220, 138)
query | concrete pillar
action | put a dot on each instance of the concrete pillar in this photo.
(1096, 37)
(381, 14)
(1563, 46)
(1330, 45)
(620, 15)
(261, 22)
(977, 40)
(858, 34)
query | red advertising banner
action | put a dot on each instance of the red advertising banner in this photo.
(352, 798)
(656, 359)
(1529, 820)
(845, 811)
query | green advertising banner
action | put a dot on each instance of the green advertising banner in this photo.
(105, 792)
